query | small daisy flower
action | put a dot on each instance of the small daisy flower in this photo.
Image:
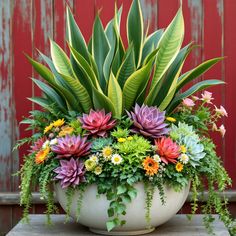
(157, 158)
(121, 140)
(94, 158)
(107, 152)
(98, 170)
(58, 122)
(90, 165)
(183, 149)
(45, 144)
(184, 158)
(53, 142)
(48, 128)
(116, 159)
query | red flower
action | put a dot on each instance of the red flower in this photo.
(168, 150)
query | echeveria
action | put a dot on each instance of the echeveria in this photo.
(148, 121)
(71, 146)
(70, 173)
(97, 123)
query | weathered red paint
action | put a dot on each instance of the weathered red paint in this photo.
(27, 24)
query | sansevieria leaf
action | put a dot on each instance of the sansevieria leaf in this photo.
(195, 88)
(60, 60)
(135, 30)
(169, 44)
(115, 95)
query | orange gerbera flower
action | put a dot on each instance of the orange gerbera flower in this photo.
(151, 166)
(42, 155)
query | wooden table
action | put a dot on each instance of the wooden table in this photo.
(179, 225)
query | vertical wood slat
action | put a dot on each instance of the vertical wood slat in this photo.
(230, 71)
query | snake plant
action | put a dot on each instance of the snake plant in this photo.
(103, 73)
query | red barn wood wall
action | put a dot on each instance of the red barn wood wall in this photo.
(26, 25)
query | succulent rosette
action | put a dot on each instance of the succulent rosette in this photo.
(71, 146)
(70, 173)
(168, 150)
(97, 123)
(148, 121)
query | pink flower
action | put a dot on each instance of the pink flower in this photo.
(221, 111)
(207, 97)
(187, 102)
(222, 130)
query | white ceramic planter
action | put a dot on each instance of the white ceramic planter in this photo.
(93, 212)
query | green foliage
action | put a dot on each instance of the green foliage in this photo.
(149, 191)
(99, 143)
(120, 133)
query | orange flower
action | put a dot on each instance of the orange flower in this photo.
(179, 166)
(42, 155)
(151, 166)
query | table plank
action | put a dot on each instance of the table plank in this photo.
(179, 225)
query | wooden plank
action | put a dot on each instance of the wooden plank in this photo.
(7, 118)
(230, 71)
(179, 225)
(213, 44)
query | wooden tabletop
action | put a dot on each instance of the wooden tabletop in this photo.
(179, 225)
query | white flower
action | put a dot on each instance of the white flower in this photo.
(116, 159)
(98, 170)
(184, 158)
(221, 111)
(157, 158)
(53, 142)
(222, 130)
(45, 144)
(94, 158)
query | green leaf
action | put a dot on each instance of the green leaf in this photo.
(135, 29)
(75, 36)
(90, 78)
(135, 84)
(115, 95)
(196, 72)
(110, 212)
(150, 43)
(80, 92)
(132, 193)
(43, 102)
(121, 189)
(101, 101)
(166, 88)
(195, 88)
(169, 46)
(100, 49)
(111, 224)
(60, 60)
(127, 67)
(51, 93)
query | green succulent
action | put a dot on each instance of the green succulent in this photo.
(105, 74)
(99, 143)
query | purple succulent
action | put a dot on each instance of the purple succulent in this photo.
(148, 121)
(70, 173)
(71, 146)
(97, 123)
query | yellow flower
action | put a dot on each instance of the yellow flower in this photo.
(121, 140)
(48, 128)
(107, 152)
(130, 138)
(183, 149)
(42, 155)
(90, 165)
(98, 170)
(58, 123)
(179, 166)
(66, 130)
(171, 119)
(94, 158)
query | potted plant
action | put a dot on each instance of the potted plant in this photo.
(119, 138)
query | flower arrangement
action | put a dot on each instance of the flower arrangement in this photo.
(114, 116)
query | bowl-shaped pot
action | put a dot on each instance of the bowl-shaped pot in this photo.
(93, 213)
